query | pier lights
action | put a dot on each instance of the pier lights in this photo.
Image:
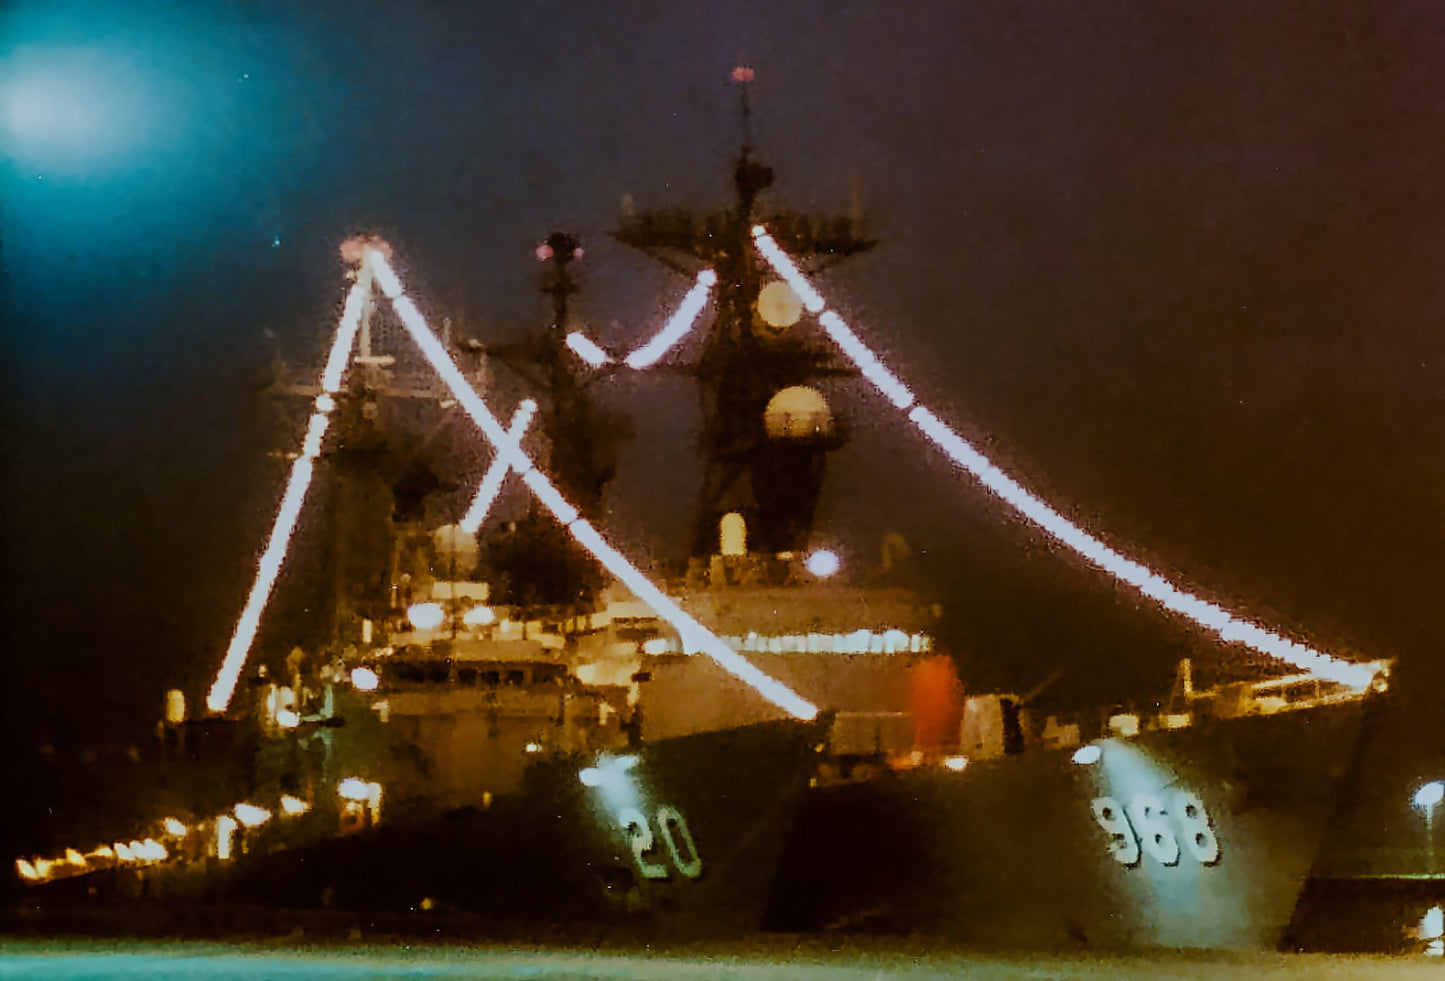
(1427, 798)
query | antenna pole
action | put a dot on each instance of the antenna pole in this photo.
(744, 77)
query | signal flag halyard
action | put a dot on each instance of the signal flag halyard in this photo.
(1154, 586)
(491, 484)
(269, 567)
(677, 325)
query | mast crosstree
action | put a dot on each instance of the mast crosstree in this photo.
(772, 480)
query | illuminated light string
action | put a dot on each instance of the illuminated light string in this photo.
(297, 483)
(587, 349)
(1154, 586)
(509, 450)
(677, 326)
(491, 484)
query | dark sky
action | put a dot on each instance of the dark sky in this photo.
(1173, 264)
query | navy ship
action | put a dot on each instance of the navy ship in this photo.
(464, 739)
(628, 778)
(1199, 825)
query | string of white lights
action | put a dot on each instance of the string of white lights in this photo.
(1154, 586)
(297, 483)
(694, 636)
(587, 349)
(677, 325)
(491, 484)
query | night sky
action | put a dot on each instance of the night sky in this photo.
(1174, 265)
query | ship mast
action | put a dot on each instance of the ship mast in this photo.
(535, 563)
(763, 452)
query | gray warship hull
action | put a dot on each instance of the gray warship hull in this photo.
(1200, 837)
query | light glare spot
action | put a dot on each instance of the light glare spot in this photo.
(479, 616)
(823, 563)
(251, 816)
(426, 616)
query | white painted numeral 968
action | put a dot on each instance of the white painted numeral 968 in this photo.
(1143, 821)
(1146, 812)
(1122, 843)
(1198, 835)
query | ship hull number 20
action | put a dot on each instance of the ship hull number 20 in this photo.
(677, 851)
(1144, 821)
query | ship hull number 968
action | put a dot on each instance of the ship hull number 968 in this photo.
(1146, 824)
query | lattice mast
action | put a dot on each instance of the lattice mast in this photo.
(773, 482)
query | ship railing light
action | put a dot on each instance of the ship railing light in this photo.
(149, 850)
(357, 789)
(426, 616)
(479, 616)
(225, 832)
(251, 815)
(175, 827)
(1086, 755)
(292, 806)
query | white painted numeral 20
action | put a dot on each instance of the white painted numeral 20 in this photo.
(672, 828)
(1142, 822)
